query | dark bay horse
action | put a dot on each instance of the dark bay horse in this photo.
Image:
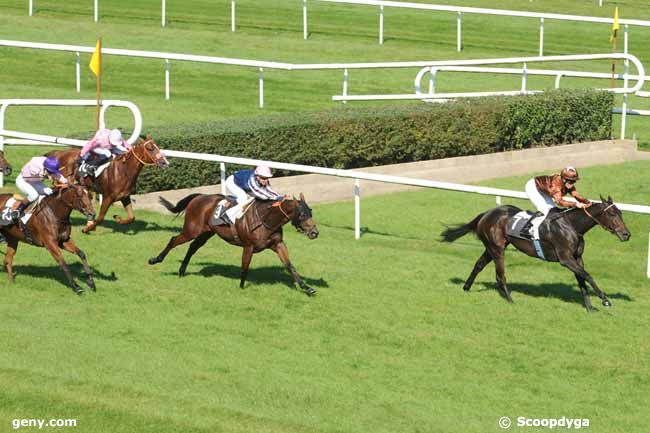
(5, 167)
(117, 181)
(50, 227)
(561, 239)
(258, 229)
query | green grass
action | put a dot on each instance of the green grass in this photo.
(391, 343)
(338, 33)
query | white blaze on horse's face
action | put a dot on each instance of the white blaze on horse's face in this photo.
(158, 157)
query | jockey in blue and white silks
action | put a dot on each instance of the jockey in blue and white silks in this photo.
(243, 183)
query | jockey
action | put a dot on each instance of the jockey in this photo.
(547, 191)
(105, 143)
(244, 182)
(30, 180)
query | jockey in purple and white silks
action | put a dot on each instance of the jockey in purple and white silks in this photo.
(243, 183)
(30, 180)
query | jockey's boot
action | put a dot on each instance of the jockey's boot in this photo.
(526, 230)
(20, 210)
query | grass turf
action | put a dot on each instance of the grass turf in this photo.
(391, 343)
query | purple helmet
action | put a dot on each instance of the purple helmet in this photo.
(51, 164)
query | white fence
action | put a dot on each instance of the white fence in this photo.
(459, 11)
(105, 104)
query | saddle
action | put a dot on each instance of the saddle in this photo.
(519, 225)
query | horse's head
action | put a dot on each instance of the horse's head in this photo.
(302, 219)
(610, 218)
(5, 167)
(150, 153)
(76, 197)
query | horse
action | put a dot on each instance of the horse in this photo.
(49, 227)
(561, 241)
(258, 229)
(5, 167)
(117, 181)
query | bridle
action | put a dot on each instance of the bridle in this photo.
(599, 213)
(153, 161)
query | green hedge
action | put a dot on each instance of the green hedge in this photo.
(351, 138)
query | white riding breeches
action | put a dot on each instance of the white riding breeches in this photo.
(240, 194)
(103, 152)
(542, 202)
(31, 189)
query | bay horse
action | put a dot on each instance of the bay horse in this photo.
(5, 167)
(561, 238)
(49, 227)
(258, 229)
(117, 181)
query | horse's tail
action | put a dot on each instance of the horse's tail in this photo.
(452, 233)
(180, 206)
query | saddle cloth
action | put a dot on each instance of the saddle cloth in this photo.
(220, 220)
(517, 223)
(11, 205)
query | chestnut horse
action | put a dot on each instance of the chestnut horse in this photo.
(5, 167)
(49, 227)
(258, 229)
(562, 241)
(117, 181)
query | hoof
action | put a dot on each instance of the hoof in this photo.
(153, 260)
(309, 291)
(78, 290)
(92, 285)
(606, 303)
(466, 288)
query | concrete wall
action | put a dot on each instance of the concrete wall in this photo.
(467, 169)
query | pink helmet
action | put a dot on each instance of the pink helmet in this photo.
(263, 171)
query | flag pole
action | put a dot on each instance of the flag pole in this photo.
(99, 82)
(612, 39)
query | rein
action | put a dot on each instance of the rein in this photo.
(277, 204)
(597, 221)
(143, 145)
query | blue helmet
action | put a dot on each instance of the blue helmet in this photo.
(51, 164)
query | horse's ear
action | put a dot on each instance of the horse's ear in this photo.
(148, 137)
(302, 197)
(609, 199)
(602, 199)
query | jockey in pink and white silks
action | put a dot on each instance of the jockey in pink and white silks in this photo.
(30, 180)
(243, 183)
(105, 143)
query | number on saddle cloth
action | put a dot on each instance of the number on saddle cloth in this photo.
(220, 217)
(519, 225)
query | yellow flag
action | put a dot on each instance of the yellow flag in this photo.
(615, 25)
(96, 59)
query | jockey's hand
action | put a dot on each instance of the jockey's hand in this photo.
(47, 190)
(580, 205)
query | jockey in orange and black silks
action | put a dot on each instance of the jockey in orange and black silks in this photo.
(547, 191)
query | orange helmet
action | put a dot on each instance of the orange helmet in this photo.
(570, 173)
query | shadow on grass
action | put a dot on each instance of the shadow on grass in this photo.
(131, 229)
(566, 292)
(261, 275)
(367, 231)
(55, 273)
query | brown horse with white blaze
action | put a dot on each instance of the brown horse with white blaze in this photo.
(117, 181)
(49, 227)
(258, 229)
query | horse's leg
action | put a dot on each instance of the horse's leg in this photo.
(583, 286)
(126, 202)
(173, 243)
(499, 263)
(571, 263)
(478, 267)
(106, 203)
(58, 256)
(12, 246)
(194, 246)
(281, 250)
(246, 257)
(71, 247)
